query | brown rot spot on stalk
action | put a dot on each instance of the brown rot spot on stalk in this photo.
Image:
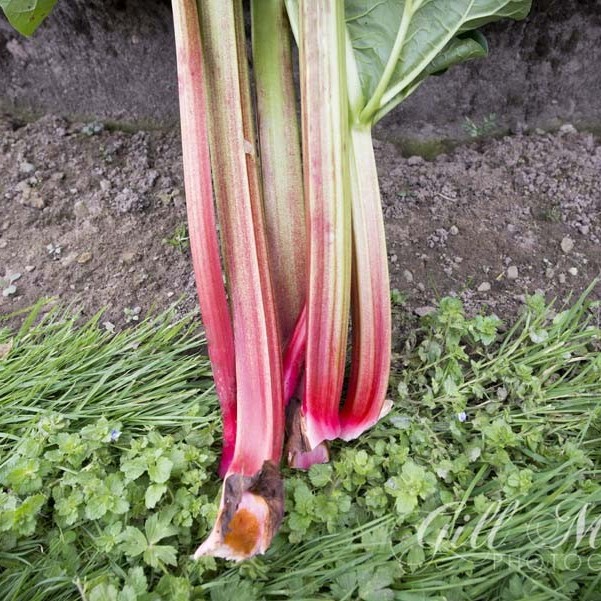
(243, 532)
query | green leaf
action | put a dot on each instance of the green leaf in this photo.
(133, 542)
(136, 579)
(157, 555)
(153, 494)
(133, 468)
(405, 502)
(158, 526)
(21, 519)
(174, 588)
(108, 539)
(68, 507)
(428, 36)
(160, 471)
(26, 15)
(127, 594)
(415, 557)
(375, 587)
(320, 474)
(24, 475)
(103, 592)
(303, 499)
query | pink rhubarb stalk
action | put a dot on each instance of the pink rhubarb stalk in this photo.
(204, 243)
(325, 164)
(294, 356)
(371, 340)
(299, 454)
(252, 498)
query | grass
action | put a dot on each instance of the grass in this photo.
(482, 484)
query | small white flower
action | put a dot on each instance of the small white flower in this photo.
(462, 416)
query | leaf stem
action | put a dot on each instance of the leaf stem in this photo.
(374, 103)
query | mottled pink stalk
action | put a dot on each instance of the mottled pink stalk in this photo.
(202, 228)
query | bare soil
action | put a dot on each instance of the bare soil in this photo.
(90, 216)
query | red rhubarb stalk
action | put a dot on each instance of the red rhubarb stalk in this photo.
(204, 243)
(325, 164)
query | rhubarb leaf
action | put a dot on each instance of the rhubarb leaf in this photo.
(26, 15)
(467, 46)
(417, 38)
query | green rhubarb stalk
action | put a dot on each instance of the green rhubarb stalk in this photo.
(327, 193)
(204, 242)
(251, 502)
(281, 170)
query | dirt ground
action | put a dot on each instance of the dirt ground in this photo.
(94, 218)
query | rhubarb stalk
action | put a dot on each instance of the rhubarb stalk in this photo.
(371, 315)
(281, 171)
(251, 501)
(204, 243)
(325, 165)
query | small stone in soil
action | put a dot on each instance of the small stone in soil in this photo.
(573, 271)
(562, 278)
(408, 275)
(423, 311)
(80, 209)
(484, 287)
(512, 273)
(69, 259)
(29, 267)
(567, 244)
(567, 128)
(453, 230)
(85, 257)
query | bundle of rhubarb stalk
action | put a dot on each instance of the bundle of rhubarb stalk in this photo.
(285, 220)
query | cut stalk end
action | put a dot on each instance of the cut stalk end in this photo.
(250, 513)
